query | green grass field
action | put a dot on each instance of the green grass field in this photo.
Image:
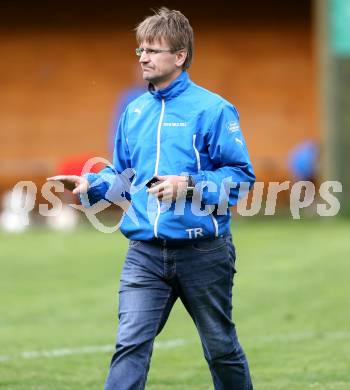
(58, 295)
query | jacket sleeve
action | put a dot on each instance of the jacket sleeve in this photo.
(229, 155)
(113, 182)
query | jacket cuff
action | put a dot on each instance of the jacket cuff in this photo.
(93, 195)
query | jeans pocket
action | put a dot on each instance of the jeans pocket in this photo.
(209, 246)
(134, 243)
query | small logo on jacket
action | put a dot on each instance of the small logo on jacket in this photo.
(238, 141)
(232, 127)
(175, 124)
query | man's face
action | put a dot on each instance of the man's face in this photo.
(159, 67)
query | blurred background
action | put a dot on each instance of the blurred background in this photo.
(67, 69)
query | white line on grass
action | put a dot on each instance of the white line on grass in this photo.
(85, 350)
(169, 344)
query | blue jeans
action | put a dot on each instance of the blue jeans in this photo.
(154, 276)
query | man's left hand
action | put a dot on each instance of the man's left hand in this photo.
(170, 187)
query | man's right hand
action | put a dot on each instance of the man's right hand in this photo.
(76, 184)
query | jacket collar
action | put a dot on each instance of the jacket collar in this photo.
(175, 88)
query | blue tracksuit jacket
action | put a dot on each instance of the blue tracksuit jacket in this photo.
(181, 129)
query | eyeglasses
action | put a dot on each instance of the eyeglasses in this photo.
(140, 50)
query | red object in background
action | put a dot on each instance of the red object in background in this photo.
(73, 165)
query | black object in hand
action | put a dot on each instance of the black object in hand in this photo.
(152, 181)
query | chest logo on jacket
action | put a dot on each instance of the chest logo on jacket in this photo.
(174, 124)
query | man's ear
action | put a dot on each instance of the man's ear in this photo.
(180, 58)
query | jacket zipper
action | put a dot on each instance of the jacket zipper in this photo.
(155, 228)
(215, 222)
(216, 226)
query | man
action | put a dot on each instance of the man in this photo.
(189, 140)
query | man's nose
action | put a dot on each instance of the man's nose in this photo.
(144, 57)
